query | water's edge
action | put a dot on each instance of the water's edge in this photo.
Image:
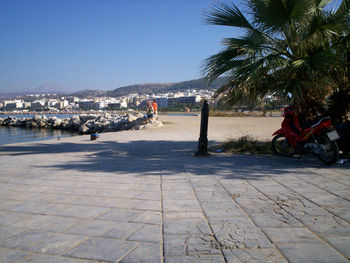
(11, 135)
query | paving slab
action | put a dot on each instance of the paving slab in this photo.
(341, 243)
(12, 255)
(102, 249)
(144, 253)
(263, 255)
(310, 252)
(142, 196)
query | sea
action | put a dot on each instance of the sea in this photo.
(9, 135)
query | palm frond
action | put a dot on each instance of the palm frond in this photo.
(227, 15)
(343, 9)
(274, 15)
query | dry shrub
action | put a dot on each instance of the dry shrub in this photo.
(246, 144)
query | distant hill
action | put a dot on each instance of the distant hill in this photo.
(89, 93)
(150, 88)
(197, 84)
(46, 88)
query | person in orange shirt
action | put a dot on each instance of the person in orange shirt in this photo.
(155, 109)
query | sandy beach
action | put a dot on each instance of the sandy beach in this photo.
(187, 128)
(142, 196)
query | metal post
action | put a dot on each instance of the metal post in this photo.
(203, 137)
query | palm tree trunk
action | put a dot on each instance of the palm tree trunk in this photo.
(311, 106)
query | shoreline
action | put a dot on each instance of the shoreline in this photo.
(187, 128)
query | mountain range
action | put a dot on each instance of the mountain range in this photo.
(149, 88)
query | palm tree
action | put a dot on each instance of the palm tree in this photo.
(339, 76)
(287, 46)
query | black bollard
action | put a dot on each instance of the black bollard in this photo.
(203, 137)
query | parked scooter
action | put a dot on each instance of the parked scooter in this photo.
(318, 138)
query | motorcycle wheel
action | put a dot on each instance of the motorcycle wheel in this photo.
(281, 146)
(330, 150)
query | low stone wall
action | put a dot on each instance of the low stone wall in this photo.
(84, 123)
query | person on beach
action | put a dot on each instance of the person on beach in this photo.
(150, 111)
(155, 108)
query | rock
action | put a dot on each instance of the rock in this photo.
(152, 124)
(18, 123)
(57, 122)
(42, 124)
(131, 117)
(83, 129)
(84, 117)
(34, 124)
(65, 124)
(9, 121)
(86, 124)
(36, 118)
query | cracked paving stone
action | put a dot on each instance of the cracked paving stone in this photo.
(213, 196)
(298, 206)
(226, 209)
(277, 218)
(252, 199)
(343, 212)
(261, 208)
(178, 227)
(181, 206)
(326, 224)
(190, 244)
(236, 236)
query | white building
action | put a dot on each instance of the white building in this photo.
(38, 105)
(162, 102)
(190, 100)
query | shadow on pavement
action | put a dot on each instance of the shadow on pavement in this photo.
(170, 157)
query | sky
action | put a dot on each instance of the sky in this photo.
(104, 44)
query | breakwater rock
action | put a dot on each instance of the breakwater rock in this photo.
(85, 123)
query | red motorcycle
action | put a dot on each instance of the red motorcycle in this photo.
(318, 138)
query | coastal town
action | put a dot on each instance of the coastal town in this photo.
(71, 103)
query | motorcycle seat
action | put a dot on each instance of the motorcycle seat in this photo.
(314, 122)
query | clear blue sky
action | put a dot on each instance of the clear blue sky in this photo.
(103, 44)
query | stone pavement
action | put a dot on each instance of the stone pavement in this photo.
(152, 201)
